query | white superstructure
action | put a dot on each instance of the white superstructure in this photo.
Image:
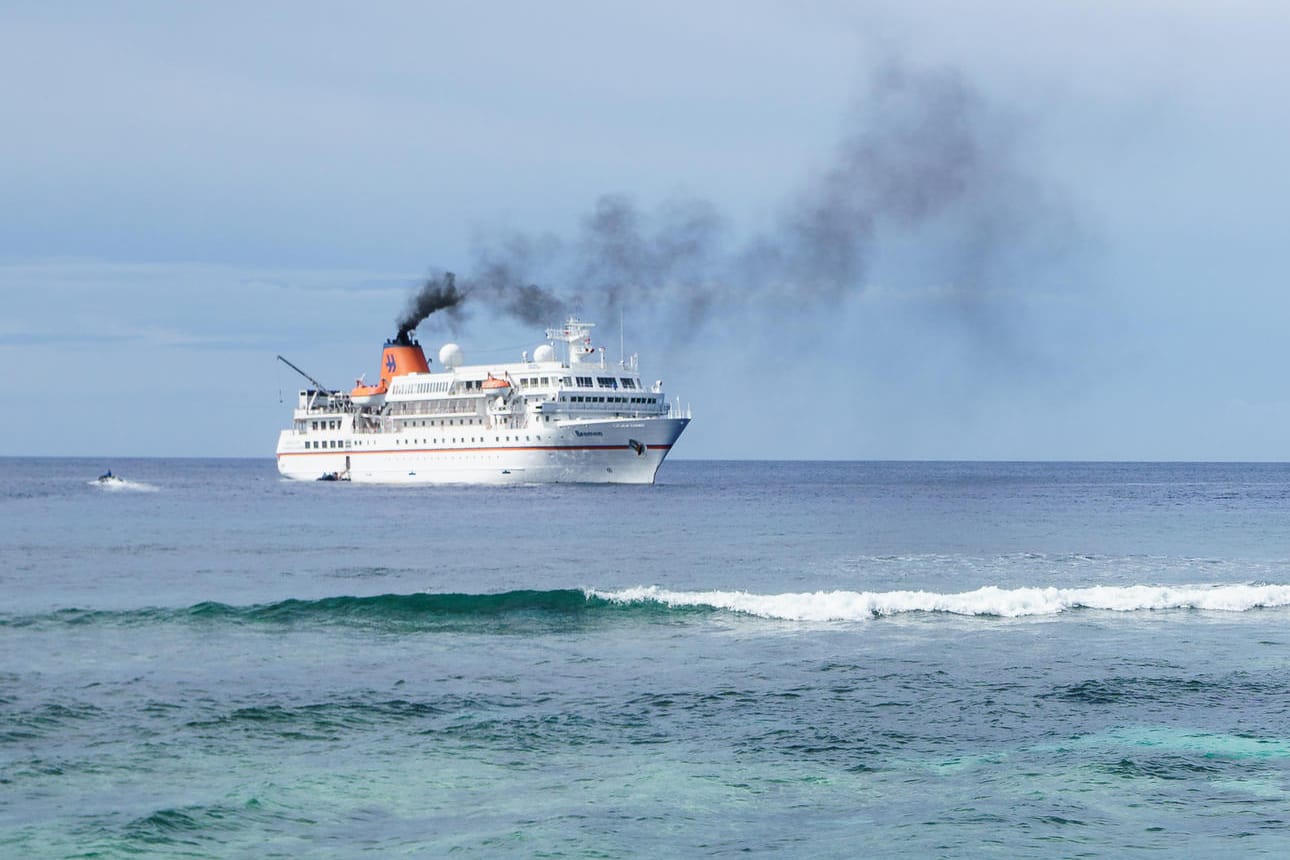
(575, 418)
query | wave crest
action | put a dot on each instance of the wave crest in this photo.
(529, 610)
(989, 600)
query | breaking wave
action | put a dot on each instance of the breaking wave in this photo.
(559, 607)
(989, 601)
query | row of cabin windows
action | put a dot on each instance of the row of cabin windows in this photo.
(525, 382)
(442, 422)
(583, 381)
(325, 425)
(335, 443)
(536, 381)
(463, 440)
(424, 387)
(581, 399)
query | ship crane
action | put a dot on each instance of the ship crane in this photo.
(322, 389)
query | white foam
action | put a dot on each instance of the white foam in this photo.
(124, 486)
(990, 600)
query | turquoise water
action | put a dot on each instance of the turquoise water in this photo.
(811, 659)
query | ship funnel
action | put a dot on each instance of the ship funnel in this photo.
(402, 356)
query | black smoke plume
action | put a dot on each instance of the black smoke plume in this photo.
(502, 278)
(436, 294)
(924, 160)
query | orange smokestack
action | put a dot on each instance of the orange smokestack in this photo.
(401, 357)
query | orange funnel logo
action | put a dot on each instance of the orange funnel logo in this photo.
(401, 358)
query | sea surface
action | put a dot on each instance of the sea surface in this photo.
(781, 658)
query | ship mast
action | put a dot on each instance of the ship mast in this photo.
(576, 336)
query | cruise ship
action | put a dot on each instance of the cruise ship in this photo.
(571, 417)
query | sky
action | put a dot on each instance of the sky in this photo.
(835, 230)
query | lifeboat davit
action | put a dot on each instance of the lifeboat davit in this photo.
(496, 387)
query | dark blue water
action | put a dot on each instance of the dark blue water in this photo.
(813, 659)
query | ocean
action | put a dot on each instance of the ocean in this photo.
(787, 658)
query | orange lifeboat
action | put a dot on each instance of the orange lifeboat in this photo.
(372, 396)
(496, 386)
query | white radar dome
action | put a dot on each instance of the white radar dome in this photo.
(545, 352)
(450, 355)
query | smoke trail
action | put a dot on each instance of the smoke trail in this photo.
(436, 294)
(500, 279)
(924, 158)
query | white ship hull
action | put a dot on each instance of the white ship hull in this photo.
(614, 451)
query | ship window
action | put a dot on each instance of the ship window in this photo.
(627, 383)
(606, 382)
(546, 380)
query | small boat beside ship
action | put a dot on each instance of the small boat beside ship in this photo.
(546, 418)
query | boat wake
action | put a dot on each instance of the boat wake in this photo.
(988, 601)
(121, 485)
